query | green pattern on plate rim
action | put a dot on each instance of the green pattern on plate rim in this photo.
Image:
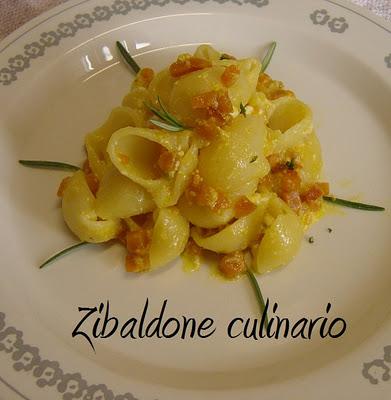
(21, 62)
(26, 358)
(38, 48)
(47, 373)
(378, 369)
(336, 24)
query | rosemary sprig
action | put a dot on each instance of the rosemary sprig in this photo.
(243, 110)
(290, 165)
(352, 204)
(167, 127)
(167, 114)
(226, 56)
(49, 165)
(266, 60)
(156, 111)
(62, 253)
(169, 122)
(258, 293)
(128, 58)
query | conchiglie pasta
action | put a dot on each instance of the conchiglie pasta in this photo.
(190, 85)
(310, 156)
(96, 141)
(275, 208)
(135, 153)
(169, 237)
(202, 216)
(120, 197)
(237, 152)
(207, 53)
(78, 208)
(293, 119)
(161, 86)
(136, 98)
(186, 166)
(204, 154)
(238, 235)
(245, 86)
(261, 105)
(280, 243)
(209, 79)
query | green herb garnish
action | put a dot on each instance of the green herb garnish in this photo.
(311, 239)
(167, 127)
(266, 60)
(255, 158)
(62, 253)
(128, 58)
(226, 56)
(243, 109)
(167, 114)
(290, 165)
(352, 204)
(169, 122)
(258, 294)
(49, 165)
(329, 230)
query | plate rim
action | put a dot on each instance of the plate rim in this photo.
(20, 62)
(41, 19)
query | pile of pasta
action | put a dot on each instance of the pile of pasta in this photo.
(240, 180)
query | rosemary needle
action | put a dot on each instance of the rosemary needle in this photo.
(157, 112)
(167, 114)
(258, 294)
(49, 165)
(128, 58)
(243, 110)
(352, 204)
(266, 60)
(169, 122)
(62, 253)
(167, 127)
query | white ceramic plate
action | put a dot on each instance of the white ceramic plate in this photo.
(60, 75)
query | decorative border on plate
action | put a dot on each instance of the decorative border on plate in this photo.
(27, 358)
(21, 62)
(47, 373)
(378, 368)
(64, 30)
(357, 13)
(336, 25)
(321, 17)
